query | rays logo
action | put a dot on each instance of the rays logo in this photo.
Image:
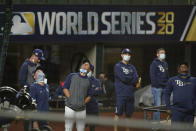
(126, 71)
(161, 68)
(179, 83)
(23, 23)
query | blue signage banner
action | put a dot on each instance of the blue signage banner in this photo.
(100, 23)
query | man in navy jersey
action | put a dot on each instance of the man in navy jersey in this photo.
(183, 87)
(92, 106)
(159, 76)
(126, 78)
(39, 91)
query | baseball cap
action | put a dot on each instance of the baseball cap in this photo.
(92, 67)
(39, 53)
(126, 50)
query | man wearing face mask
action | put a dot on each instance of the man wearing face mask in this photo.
(39, 92)
(159, 77)
(29, 66)
(126, 78)
(77, 92)
(92, 105)
(183, 87)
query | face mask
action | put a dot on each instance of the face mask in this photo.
(162, 56)
(40, 77)
(126, 58)
(89, 74)
(83, 71)
(45, 81)
(184, 74)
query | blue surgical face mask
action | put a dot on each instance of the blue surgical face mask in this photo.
(162, 56)
(89, 74)
(40, 77)
(83, 71)
(184, 74)
(126, 57)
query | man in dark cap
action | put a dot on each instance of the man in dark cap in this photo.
(27, 69)
(126, 78)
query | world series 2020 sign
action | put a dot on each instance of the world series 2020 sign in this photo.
(65, 23)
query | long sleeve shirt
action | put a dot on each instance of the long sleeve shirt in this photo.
(184, 93)
(159, 73)
(126, 78)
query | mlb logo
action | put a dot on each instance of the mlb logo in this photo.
(23, 23)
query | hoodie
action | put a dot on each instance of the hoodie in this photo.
(184, 93)
(159, 73)
(26, 73)
(92, 105)
(126, 78)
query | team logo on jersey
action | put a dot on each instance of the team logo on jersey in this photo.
(179, 82)
(126, 71)
(23, 23)
(161, 68)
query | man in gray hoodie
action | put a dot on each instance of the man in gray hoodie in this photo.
(29, 66)
(26, 72)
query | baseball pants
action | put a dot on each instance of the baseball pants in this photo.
(178, 116)
(80, 125)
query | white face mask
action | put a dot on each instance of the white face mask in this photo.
(89, 74)
(40, 77)
(45, 81)
(162, 56)
(126, 57)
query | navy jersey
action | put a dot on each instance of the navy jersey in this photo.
(159, 73)
(126, 78)
(184, 93)
(92, 105)
(41, 95)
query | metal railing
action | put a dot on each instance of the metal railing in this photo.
(129, 2)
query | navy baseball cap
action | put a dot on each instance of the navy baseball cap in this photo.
(126, 50)
(39, 53)
(92, 67)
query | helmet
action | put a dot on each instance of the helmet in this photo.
(8, 94)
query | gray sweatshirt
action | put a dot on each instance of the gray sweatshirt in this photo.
(79, 88)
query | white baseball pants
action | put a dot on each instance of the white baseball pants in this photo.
(80, 125)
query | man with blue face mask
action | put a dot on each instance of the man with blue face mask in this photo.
(126, 78)
(77, 92)
(39, 91)
(183, 87)
(159, 76)
(92, 105)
